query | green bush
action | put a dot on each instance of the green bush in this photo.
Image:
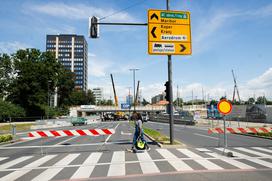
(5, 138)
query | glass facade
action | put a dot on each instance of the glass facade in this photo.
(72, 52)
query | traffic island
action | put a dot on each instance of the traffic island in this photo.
(258, 135)
(161, 140)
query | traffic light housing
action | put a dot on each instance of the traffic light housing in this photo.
(93, 27)
(167, 91)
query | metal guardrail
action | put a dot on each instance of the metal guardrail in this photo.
(177, 119)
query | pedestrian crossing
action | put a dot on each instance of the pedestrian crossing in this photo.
(118, 163)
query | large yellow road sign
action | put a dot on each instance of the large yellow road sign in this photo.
(169, 32)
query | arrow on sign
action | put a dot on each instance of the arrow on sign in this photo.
(154, 15)
(182, 47)
(153, 32)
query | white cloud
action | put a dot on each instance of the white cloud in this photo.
(63, 29)
(98, 68)
(79, 11)
(12, 47)
(263, 81)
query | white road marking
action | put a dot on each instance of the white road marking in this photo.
(73, 137)
(87, 167)
(117, 166)
(179, 165)
(146, 163)
(205, 136)
(55, 146)
(15, 175)
(107, 139)
(236, 154)
(128, 134)
(3, 158)
(14, 162)
(227, 160)
(204, 162)
(51, 172)
(263, 149)
(253, 152)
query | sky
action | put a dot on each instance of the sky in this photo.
(226, 35)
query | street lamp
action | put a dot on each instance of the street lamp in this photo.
(134, 69)
(48, 97)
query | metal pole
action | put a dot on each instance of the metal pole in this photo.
(134, 90)
(225, 135)
(133, 87)
(171, 117)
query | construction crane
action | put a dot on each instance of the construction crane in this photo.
(118, 115)
(235, 88)
(114, 92)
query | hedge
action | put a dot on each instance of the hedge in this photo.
(5, 138)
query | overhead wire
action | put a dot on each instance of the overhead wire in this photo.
(124, 9)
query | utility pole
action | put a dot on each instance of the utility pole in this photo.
(171, 117)
(129, 102)
(134, 69)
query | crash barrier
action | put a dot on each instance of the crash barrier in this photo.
(177, 119)
(240, 130)
(59, 133)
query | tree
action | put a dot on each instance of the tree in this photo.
(79, 97)
(261, 100)
(6, 74)
(8, 110)
(251, 101)
(145, 102)
(105, 102)
(37, 74)
(178, 102)
(65, 86)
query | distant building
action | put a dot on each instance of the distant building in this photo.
(156, 99)
(72, 51)
(98, 93)
(129, 99)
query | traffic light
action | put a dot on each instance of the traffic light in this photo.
(167, 91)
(93, 28)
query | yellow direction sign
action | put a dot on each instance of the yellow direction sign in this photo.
(169, 32)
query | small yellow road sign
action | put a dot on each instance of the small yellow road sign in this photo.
(169, 32)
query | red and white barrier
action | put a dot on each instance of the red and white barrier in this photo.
(84, 132)
(240, 130)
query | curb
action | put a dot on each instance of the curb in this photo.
(181, 145)
(9, 142)
(256, 136)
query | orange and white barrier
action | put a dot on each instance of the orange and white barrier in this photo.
(240, 130)
(59, 133)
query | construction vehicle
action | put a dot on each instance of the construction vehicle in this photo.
(118, 114)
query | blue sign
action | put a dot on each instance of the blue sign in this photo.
(125, 106)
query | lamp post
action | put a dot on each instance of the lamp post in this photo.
(134, 70)
(48, 97)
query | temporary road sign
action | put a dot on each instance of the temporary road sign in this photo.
(169, 32)
(224, 107)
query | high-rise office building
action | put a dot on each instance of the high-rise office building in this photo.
(72, 51)
(98, 93)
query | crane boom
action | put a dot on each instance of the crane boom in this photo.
(115, 96)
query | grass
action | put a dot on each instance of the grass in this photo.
(19, 127)
(269, 135)
(156, 135)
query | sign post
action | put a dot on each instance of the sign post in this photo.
(225, 108)
(169, 33)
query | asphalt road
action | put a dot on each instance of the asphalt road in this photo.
(108, 158)
(198, 137)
